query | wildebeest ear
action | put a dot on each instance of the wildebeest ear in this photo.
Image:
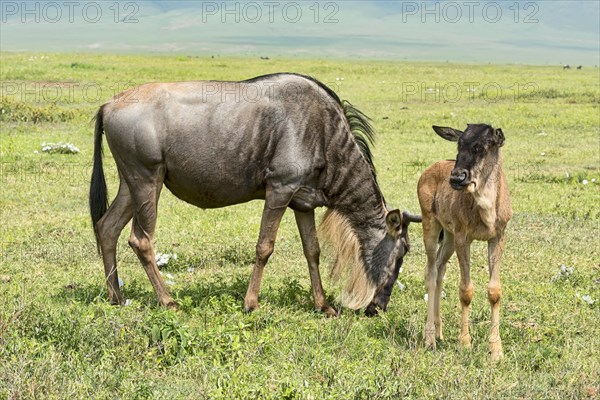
(447, 133)
(393, 220)
(499, 137)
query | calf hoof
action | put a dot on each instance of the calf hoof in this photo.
(464, 341)
(430, 342)
(496, 350)
(429, 336)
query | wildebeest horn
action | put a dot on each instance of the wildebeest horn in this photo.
(411, 217)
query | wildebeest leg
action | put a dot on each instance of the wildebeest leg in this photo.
(443, 255)
(269, 225)
(310, 244)
(463, 252)
(145, 195)
(431, 234)
(495, 249)
(109, 228)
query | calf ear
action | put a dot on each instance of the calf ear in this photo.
(447, 133)
(499, 136)
(393, 220)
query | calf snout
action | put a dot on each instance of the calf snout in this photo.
(459, 178)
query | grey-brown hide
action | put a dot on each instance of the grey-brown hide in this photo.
(468, 200)
(283, 138)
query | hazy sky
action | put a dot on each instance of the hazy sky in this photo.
(540, 32)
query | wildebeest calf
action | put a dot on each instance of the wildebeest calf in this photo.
(462, 201)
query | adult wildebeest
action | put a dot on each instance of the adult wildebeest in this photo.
(464, 201)
(284, 138)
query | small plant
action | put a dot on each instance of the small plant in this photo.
(163, 259)
(563, 273)
(59, 148)
(586, 298)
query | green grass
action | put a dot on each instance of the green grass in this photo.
(59, 338)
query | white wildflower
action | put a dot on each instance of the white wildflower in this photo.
(443, 296)
(162, 259)
(542, 154)
(170, 282)
(588, 299)
(585, 181)
(60, 147)
(190, 269)
(401, 286)
(169, 276)
(564, 271)
(128, 302)
(426, 297)
(121, 283)
(36, 152)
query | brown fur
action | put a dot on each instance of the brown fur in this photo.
(480, 211)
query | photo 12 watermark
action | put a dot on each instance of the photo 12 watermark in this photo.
(253, 12)
(470, 11)
(69, 92)
(452, 92)
(53, 12)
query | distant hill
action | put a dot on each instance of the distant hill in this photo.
(542, 32)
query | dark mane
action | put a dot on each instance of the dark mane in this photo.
(363, 132)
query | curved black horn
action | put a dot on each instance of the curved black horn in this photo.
(411, 217)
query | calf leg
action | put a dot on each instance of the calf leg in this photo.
(463, 252)
(431, 233)
(310, 245)
(444, 253)
(495, 250)
(269, 225)
(108, 230)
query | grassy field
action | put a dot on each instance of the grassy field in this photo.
(59, 337)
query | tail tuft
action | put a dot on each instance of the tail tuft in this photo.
(98, 191)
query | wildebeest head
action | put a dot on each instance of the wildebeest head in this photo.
(478, 150)
(391, 251)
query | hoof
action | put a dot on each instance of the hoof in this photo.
(330, 311)
(430, 342)
(371, 310)
(171, 305)
(250, 306)
(429, 336)
(496, 351)
(464, 342)
(116, 299)
(116, 302)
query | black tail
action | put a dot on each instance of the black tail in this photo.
(98, 193)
